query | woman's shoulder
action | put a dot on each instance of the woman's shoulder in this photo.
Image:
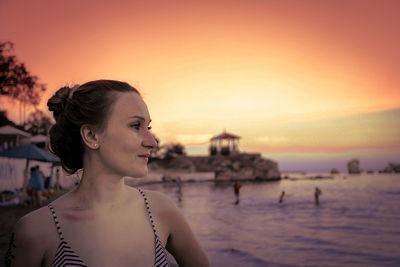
(31, 237)
(181, 241)
(159, 201)
(34, 224)
(165, 213)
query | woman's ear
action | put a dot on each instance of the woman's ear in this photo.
(89, 136)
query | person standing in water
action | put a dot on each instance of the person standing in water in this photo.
(317, 193)
(281, 197)
(236, 188)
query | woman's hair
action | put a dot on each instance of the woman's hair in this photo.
(89, 104)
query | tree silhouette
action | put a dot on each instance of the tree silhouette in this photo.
(4, 119)
(172, 150)
(15, 81)
(38, 123)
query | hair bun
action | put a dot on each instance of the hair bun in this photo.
(59, 100)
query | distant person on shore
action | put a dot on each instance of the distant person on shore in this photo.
(179, 191)
(36, 184)
(103, 129)
(281, 197)
(57, 186)
(40, 171)
(29, 189)
(317, 193)
(236, 188)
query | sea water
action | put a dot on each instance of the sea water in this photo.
(357, 222)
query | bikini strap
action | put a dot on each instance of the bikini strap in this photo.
(53, 212)
(148, 211)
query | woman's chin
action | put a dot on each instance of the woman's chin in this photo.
(139, 173)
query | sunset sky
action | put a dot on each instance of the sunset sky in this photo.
(310, 84)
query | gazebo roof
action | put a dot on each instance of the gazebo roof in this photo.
(9, 130)
(225, 135)
(40, 138)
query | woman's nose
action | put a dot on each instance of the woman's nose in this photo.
(148, 140)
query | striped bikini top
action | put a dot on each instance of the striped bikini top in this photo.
(66, 257)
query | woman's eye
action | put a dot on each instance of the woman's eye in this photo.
(139, 125)
(136, 125)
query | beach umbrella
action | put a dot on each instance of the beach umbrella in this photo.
(29, 152)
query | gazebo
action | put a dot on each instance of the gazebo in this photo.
(224, 144)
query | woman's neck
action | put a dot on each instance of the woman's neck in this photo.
(99, 191)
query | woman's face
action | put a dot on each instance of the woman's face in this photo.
(125, 144)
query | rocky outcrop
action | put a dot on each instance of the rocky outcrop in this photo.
(391, 168)
(241, 166)
(353, 166)
(334, 171)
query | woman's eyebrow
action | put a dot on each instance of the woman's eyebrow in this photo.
(139, 117)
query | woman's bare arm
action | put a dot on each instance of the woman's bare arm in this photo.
(183, 244)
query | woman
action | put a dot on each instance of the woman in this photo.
(102, 127)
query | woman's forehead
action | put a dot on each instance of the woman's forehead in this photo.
(129, 105)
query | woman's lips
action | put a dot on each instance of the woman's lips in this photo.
(144, 157)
